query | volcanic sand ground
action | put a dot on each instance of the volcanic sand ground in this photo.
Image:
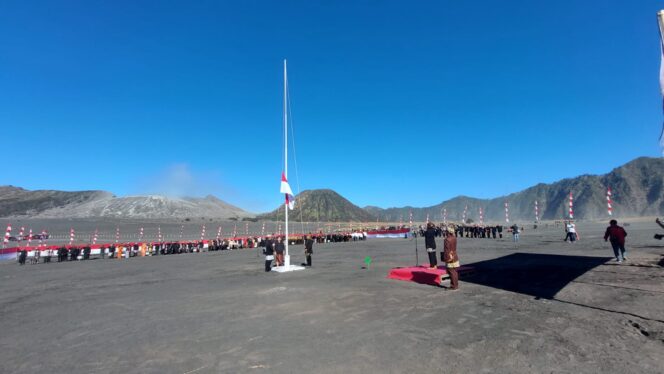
(540, 306)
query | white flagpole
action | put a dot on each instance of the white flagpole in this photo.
(660, 22)
(286, 257)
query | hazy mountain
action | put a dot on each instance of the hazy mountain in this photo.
(637, 188)
(321, 206)
(82, 204)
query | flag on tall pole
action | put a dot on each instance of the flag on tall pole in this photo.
(481, 217)
(94, 237)
(29, 237)
(465, 210)
(72, 235)
(571, 206)
(140, 235)
(202, 232)
(410, 218)
(263, 229)
(660, 22)
(159, 237)
(219, 233)
(609, 207)
(246, 228)
(507, 212)
(286, 190)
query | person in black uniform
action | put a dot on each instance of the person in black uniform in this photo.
(430, 244)
(86, 252)
(308, 249)
(268, 251)
(22, 255)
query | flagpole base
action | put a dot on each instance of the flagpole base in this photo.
(287, 266)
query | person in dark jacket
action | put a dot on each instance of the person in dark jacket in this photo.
(268, 251)
(430, 244)
(279, 249)
(616, 235)
(308, 249)
(22, 255)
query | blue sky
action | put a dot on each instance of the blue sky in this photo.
(394, 103)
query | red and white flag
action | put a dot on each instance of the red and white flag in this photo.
(609, 207)
(571, 206)
(286, 190)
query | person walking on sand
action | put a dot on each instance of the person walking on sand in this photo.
(515, 232)
(451, 259)
(616, 234)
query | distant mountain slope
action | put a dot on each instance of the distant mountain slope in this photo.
(58, 204)
(16, 201)
(637, 188)
(321, 206)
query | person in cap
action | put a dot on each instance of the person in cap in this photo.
(451, 259)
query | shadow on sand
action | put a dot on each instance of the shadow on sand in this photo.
(538, 275)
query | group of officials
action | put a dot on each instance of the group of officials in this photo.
(274, 251)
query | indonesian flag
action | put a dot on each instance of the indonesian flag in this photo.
(285, 189)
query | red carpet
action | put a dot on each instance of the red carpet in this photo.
(424, 275)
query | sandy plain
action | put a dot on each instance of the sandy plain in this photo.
(539, 306)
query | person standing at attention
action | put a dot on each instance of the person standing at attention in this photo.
(451, 259)
(308, 248)
(430, 244)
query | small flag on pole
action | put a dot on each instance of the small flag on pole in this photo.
(507, 212)
(609, 207)
(571, 206)
(286, 190)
